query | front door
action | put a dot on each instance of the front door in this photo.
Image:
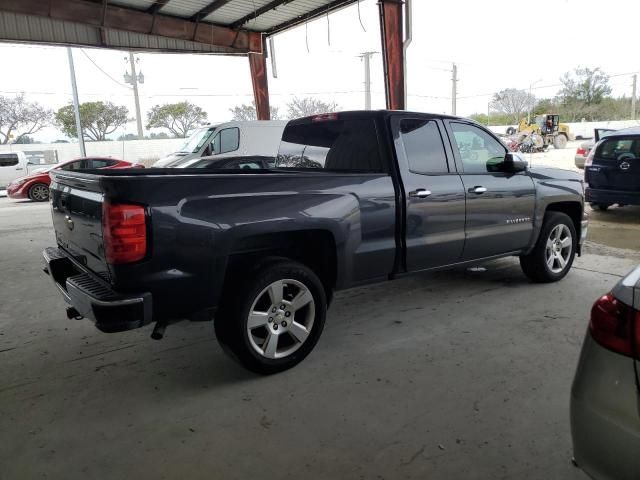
(434, 194)
(500, 205)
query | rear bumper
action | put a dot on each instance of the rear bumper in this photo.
(596, 195)
(579, 161)
(94, 299)
(605, 424)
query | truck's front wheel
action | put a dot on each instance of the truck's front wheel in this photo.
(272, 321)
(552, 257)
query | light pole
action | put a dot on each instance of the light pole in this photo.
(76, 103)
(530, 104)
(134, 79)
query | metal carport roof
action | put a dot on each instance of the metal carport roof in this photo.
(204, 26)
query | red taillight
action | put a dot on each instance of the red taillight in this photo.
(616, 326)
(124, 233)
(581, 151)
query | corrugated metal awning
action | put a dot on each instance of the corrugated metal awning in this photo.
(206, 26)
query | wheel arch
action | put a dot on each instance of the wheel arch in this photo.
(314, 248)
(573, 209)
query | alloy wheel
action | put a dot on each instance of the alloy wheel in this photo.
(558, 248)
(281, 318)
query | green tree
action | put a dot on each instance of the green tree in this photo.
(18, 118)
(304, 107)
(179, 118)
(585, 85)
(97, 119)
(247, 111)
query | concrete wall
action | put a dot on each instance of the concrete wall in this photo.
(582, 129)
(144, 151)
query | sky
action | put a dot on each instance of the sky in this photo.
(495, 44)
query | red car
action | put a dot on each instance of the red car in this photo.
(36, 185)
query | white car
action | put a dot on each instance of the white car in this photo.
(233, 139)
(14, 165)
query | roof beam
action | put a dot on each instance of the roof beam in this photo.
(260, 11)
(330, 7)
(157, 5)
(209, 9)
(127, 19)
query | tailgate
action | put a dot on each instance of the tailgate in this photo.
(616, 165)
(76, 207)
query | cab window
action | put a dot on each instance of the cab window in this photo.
(479, 151)
(229, 140)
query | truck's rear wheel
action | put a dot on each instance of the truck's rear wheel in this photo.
(600, 206)
(271, 322)
(39, 192)
(552, 257)
(560, 141)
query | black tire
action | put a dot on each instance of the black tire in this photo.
(600, 206)
(511, 131)
(231, 322)
(39, 192)
(534, 265)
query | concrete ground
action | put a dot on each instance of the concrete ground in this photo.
(460, 374)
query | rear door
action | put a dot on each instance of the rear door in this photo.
(500, 206)
(616, 164)
(434, 194)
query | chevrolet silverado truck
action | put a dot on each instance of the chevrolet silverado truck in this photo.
(351, 199)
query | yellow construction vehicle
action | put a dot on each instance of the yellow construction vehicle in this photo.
(547, 130)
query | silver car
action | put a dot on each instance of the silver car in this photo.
(605, 398)
(585, 147)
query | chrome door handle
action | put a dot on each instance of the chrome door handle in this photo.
(477, 190)
(420, 193)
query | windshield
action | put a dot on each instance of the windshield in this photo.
(196, 140)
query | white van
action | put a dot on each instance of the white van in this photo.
(233, 139)
(14, 165)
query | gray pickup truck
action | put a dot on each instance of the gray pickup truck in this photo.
(352, 198)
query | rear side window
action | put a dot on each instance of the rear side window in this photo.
(423, 146)
(78, 165)
(342, 145)
(101, 163)
(8, 160)
(613, 149)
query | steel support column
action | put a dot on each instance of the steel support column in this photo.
(391, 29)
(258, 66)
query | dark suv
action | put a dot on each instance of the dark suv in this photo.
(612, 170)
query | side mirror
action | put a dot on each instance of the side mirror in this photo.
(207, 150)
(514, 162)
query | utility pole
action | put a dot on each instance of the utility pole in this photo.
(366, 57)
(133, 79)
(633, 97)
(76, 103)
(454, 89)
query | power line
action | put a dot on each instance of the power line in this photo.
(105, 73)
